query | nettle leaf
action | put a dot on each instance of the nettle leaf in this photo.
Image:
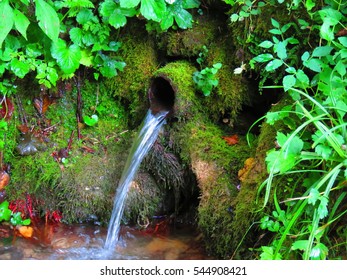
(68, 58)
(21, 23)
(48, 19)
(269, 254)
(7, 20)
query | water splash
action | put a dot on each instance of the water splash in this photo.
(142, 143)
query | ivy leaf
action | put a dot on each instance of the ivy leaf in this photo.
(68, 58)
(21, 23)
(7, 20)
(48, 19)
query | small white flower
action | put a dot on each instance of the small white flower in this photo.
(170, 1)
(240, 69)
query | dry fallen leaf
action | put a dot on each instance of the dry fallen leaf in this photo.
(231, 140)
(4, 179)
(25, 231)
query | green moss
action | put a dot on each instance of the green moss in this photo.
(130, 86)
(216, 166)
(233, 91)
(188, 43)
(180, 75)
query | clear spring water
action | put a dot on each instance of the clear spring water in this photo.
(144, 140)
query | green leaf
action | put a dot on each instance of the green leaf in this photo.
(129, 3)
(263, 57)
(5, 213)
(343, 41)
(326, 32)
(21, 23)
(6, 20)
(319, 252)
(266, 44)
(314, 64)
(278, 162)
(300, 245)
(68, 58)
(288, 82)
(153, 9)
(268, 254)
(91, 121)
(183, 19)
(323, 207)
(273, 65)
(76, 35)
(322, 51)
(85, 15)
(313, 196)
(341, 68)
(19, 68)
(302, 79)
(48, 19)
(275, 23)
(323, 151)
(234, 17)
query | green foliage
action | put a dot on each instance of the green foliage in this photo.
(91, 121)
(314, 144)
(14, 218)
(55, 38)
(206, 79)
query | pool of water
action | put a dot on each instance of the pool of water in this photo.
(86, 242)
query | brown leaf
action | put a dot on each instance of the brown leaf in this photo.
(41, 104)
(25, 231)
(231, 140)
(4, 179)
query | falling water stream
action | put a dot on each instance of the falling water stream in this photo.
(142, 143)
(61, 241)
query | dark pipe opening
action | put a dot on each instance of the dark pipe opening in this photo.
(161, 95)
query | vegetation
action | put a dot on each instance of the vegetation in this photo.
(310, 149)
(301, 150)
